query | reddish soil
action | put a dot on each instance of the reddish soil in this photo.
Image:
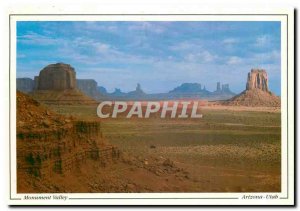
(254, 97)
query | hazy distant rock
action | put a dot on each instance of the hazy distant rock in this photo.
(224, 91)
(25, 84)
(184, 91)
(88, 86)
(138, 93)
(218, 87)
(101, 89)
(225, 88)
(138, 88)
(57, 76)
(118, 93)
(36, 82)
(187, 88)
(195, 90)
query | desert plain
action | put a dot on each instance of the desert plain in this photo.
(230, 149)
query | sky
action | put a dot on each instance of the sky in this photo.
(158, 55)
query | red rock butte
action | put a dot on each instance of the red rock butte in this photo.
(257, 79)
(56, 84)
(257, 92)
(57, 76)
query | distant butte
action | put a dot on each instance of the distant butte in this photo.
(57, 76)
(257, 92)
(56, 84)
(257, 79)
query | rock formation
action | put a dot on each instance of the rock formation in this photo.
(184, 91)
(188, 88)
(222, 92)
(36, 82)
(257, 79)
(137, 94)
(118, 93)
(222, 89)
(138, 91)
(101, 90)
(225, 87)
(218, 87)
(57, 76)
(138, 88)
(88, 86)
(257, 92)
(56, 84)
(25, 84)
(49, 143)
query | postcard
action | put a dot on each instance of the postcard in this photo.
(143, 108)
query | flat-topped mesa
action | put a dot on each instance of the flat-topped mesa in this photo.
(218, 87)
(57, 76)
(257, 79)
(25, 84)
(87, 86)
(257, 92)
(225, 87)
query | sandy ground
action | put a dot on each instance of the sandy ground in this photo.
(241, 108)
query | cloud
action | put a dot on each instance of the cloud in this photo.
(188, 45)
(201, 57)
(230, 41)
(94, 26)
(272, 56)
(33, 38)
(20, 56)
(83, 49)
(93, 52)
(156, 28)
(234, 60)
(194, 51)
(263, 40)
(256, 59)
(86, 43)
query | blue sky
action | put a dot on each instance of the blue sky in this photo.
(158, 55)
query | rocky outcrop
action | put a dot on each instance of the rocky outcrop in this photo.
(56, 84)
(184, 91)
(255, 98)
(188, 88)
(257, 79)
(225, 87)
(101, 90)
(64, 97)
(137, 94)
(222, 92)
(49, 143)
(139, 88)
(257, 92)
(87, 86)
(57, 76)
(218, 87)
(36, 82)
(118, 93)
(25, 84)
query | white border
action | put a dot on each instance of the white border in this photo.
(176, 198)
